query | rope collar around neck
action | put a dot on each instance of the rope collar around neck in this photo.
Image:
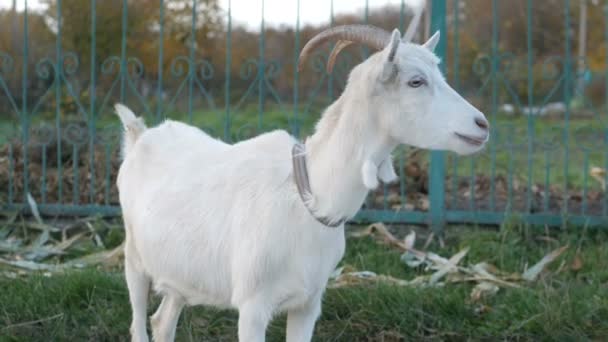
(300, 172)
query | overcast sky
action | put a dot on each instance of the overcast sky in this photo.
(276, 12)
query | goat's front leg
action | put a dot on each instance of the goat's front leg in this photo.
(254, 316)
(301, 321)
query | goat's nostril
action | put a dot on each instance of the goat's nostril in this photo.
(482, 123)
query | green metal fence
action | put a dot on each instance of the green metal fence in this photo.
(521, 62)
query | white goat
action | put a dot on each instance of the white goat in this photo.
(226, 225)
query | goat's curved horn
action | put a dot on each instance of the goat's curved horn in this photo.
(368, 35)
(340, 45)
(412, 27)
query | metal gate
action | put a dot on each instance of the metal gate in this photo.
(538, 69)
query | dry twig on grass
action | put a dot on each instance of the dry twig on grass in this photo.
(487, 277)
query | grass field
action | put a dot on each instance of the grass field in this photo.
(568, 303)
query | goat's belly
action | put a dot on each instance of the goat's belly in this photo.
(296, 267)
(186, 263)
(197, 281)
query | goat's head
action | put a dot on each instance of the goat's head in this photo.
(415, 103)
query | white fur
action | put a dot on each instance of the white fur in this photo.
(369, 173)
(386, 172)
(223, 225)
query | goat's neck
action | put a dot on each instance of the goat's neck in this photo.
(346, 137)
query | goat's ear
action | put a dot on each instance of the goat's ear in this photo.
(432, 42)
(389, 69)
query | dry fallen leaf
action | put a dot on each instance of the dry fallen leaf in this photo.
(106, 258)
(483, 290)
(487, 276)
(577, 263)
(65, 244)
(482, 309)
(480, 273)
(409, 240)
(363, 277)
(34, 208)
(532, 273)
(412, 260)
(423, 204)
(599, 174)
(449, 267)
(379, 230)
(31, 265)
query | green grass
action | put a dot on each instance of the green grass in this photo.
(571, 305)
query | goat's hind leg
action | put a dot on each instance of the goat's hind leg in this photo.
(138, 284)
(164, 320)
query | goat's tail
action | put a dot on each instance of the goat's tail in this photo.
(133, 125)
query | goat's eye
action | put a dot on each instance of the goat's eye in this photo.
(416, 82)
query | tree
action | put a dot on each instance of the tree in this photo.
(12, 42)
(141, 35)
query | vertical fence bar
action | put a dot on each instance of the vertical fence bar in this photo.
(58, 68)
(108, 172)
(509, 207)
(227, 73)
(384, 186)
(25, 129)
(473, 164)
(11, 174)
(93, 114)
(296, 74)
(456, 85)
(402, 184)
(191, 61)
(547, 191)
(161, 39)
(567, 98)
(605, 205)
(437, 165)
(401, 151)
(585, 182)
(472, 180)
(43, 180)
(123, 51)
(261, 67)
(494, 72)
(531, 120)
(75, 180)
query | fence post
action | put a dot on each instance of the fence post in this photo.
(437, 165)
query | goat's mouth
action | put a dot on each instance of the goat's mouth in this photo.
(472, 140)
